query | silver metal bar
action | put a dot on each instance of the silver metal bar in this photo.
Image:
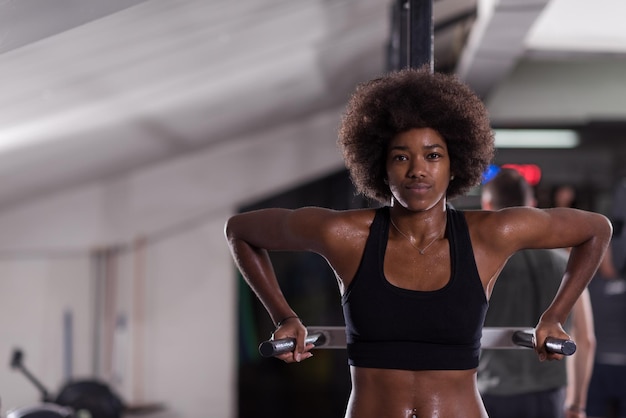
(509, 337)
(492, 338)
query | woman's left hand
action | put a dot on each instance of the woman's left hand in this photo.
(544, 329)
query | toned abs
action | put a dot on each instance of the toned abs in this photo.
(388, 393)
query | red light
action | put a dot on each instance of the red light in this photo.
(530, 172)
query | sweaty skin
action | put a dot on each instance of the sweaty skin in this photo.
(408, 394)
(418, 173)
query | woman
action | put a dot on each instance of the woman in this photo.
(415, 275)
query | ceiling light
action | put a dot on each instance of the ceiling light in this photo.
(536, 138)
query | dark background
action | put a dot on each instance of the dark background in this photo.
(320, 386)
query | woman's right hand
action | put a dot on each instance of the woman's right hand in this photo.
(293, 328)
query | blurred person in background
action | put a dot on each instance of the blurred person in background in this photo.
(564, 196)
(513, 383)
(607, 389)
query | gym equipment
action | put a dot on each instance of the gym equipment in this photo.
(45, 410)
(510, 337)
(492, 338)
(88, 398)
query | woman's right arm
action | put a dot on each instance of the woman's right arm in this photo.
(251, 235)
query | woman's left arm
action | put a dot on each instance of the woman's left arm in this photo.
(588, 235)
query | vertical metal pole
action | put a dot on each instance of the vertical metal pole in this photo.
(420, 38)
(411, 40)
(98, 261)
(403, 28)
(68, 345)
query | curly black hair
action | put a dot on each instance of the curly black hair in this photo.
(402, 100)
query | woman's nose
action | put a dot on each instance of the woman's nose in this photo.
(416, 169)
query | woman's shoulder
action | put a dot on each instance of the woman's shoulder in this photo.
(485, 224)
(350, 218)
(503, 227)
(500, 217)
(342, 235)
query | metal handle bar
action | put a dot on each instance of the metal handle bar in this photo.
(553, 345)
(521, 338)
(272, 348)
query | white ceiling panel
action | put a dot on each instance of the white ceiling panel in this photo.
(162, 78)
(92, 89)
(580, 26)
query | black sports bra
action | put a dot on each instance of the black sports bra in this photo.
(393, 328)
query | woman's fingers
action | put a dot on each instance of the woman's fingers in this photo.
(296, 356)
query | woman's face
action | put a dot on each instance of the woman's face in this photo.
(418, 168)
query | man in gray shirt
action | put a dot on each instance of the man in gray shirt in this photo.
(607, 389)
(514, 383)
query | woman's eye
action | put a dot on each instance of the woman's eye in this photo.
(433, 155)
(400, 158)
